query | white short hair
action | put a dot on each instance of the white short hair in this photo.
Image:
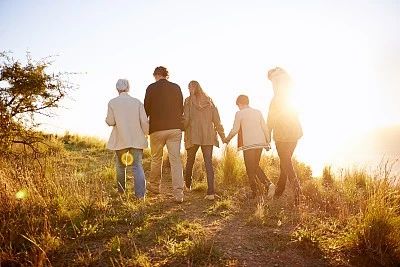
(122, 85)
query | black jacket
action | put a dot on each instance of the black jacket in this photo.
(164, 106)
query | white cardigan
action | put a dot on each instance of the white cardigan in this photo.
(130, 124)
(255, 133)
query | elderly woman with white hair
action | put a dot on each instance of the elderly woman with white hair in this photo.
(128, 138)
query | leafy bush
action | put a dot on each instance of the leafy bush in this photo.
(27, 90)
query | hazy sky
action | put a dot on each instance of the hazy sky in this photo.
(343, 55)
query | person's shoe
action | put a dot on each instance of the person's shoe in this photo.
(209, 197)
(187, 189)
(271, 191)
(188, 184)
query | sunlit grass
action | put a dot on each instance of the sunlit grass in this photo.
(357, 213)
(222, 207)
(78, 142)
(22, 194)
(230, 171)
(69, 195)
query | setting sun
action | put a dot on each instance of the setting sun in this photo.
(338, 79)
(200, 133)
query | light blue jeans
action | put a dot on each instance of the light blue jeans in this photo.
(138, 173)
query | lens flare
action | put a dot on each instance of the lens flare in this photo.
(22, 194)
(127, 158)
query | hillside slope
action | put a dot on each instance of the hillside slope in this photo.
(70, 214)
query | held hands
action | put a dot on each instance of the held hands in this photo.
(225, 140)
(268, 147)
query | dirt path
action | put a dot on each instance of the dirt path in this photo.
(245, 238)
(242, 233)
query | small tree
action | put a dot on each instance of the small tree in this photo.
(26, 90)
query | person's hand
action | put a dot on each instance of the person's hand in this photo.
(225, 141)
(268, 147)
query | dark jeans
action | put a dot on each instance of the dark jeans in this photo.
(207, 156)
(285, 152)
(256, 175)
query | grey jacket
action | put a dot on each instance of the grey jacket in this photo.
(201, 123)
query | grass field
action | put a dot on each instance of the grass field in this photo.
(62, 209)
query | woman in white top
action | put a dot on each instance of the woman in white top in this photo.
(253, 136)
(285, 125)
(128, 118)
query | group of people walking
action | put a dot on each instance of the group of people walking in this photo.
(165, 116)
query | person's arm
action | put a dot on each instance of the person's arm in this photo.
(180, 100)
(186, 113)
(180, 105)
(235, 128)
(144, 122)
(110, 119)
(270, 119)
(147, 102)
(264, 127)
(217, 123)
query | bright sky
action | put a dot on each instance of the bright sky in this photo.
(343, 55)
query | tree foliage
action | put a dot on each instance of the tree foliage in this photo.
(26, 90)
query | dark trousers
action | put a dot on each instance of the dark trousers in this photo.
(285, 153)
(256, 175)
(207, 156)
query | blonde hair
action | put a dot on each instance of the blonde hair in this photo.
(198, 91)
(277, 72)
(281, 79)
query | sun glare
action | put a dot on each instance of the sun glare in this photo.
(127, 158)
(22, 194)
(336, 102)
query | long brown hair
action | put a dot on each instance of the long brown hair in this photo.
(199, 93)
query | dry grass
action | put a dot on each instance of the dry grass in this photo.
(358, 216)
(52, 205)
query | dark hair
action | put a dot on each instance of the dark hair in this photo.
(162, 71)
(242, 99)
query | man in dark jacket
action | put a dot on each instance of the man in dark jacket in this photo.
(164, 106)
